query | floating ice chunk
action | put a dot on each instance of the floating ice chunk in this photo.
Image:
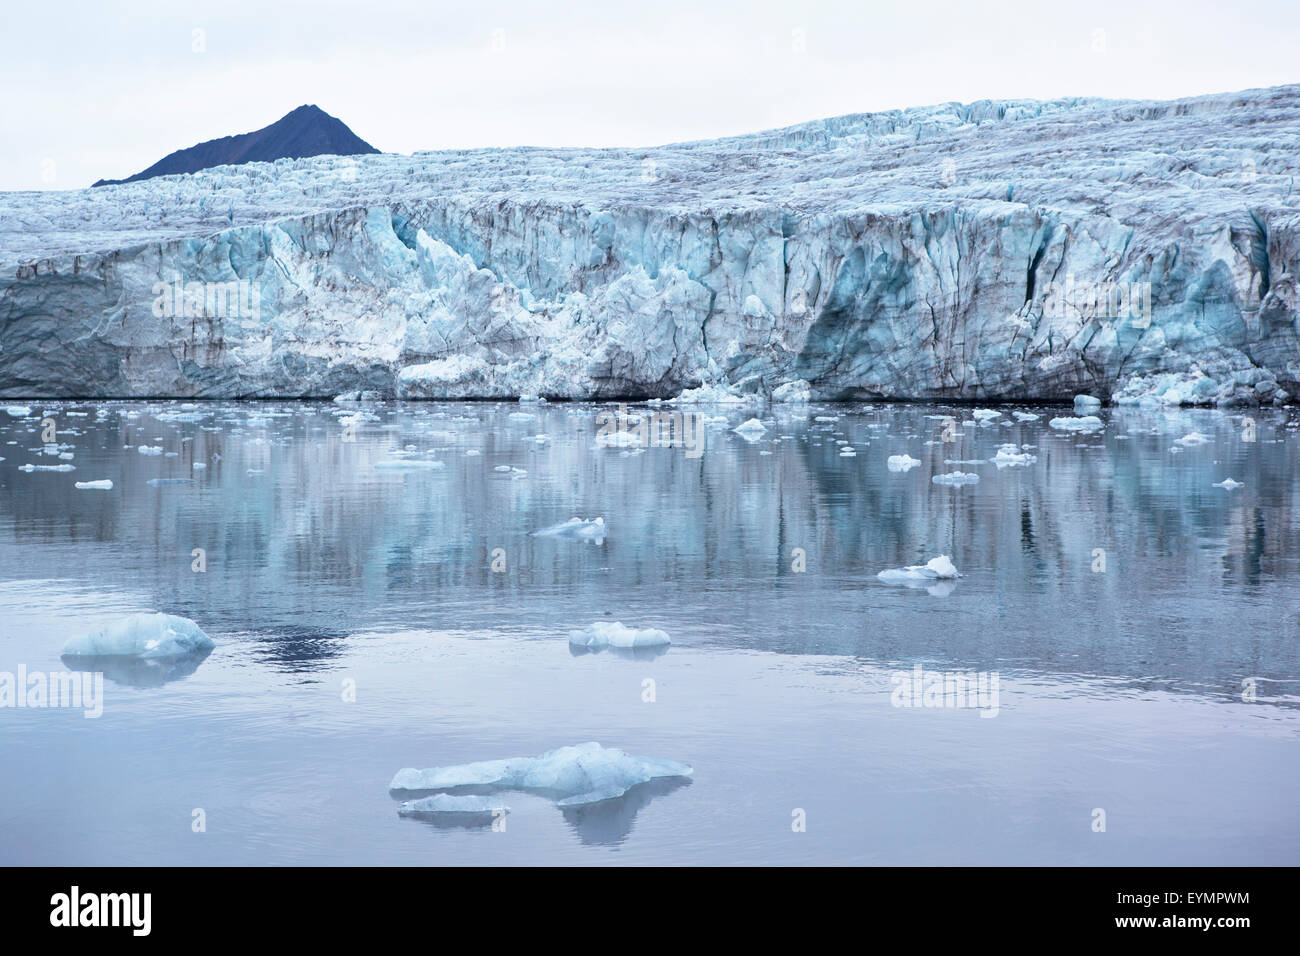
(986, 414)
(19, 411)
(446, 803)
(1229, 484)
(1012, 455)
(606, 634)
(576, 776)
(148, 636)
(31, 468)
(750, 430)
(1192, 439)
(102, 485)
(521, 417)
(956, 478)
(409, 464)
(712, 395)
(901, 462)
(620, 439)
(1086, 403)
(1025, 416)
(1085, 423)
(574, 528)
(940, 568)
(847, 452)
(199, 466)
(162, 482)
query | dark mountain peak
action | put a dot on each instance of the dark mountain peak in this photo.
(306, 131)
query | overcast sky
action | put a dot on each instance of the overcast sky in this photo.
(106, 88)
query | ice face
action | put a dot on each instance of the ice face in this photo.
(144, 636)
(749, 264)
(614, 634)
(575, 776)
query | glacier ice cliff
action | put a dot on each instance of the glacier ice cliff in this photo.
(1010, 250)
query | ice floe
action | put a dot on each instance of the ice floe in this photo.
(102, 485)
(575, 528)
(448, 804)
(143, 636)
(940, 568)
(1012, 455)
(574, 776)
(600, 634)
(956, 478)
(901, 462)
(1083, 423)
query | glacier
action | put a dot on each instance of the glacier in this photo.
(1135, 251)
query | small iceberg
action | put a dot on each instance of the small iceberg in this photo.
(445, 804)
(409, 464)
(63, 468)
(750, 430)
(936, 569)
(1011, 456)
(150, 449)
(986, 414)
(574, 528)
(18, 411)
(1229, 484)
(103, 485)
(574, 776)
(1193, 439)
(146, 636)
(901, 462)
(1086, 403)
(956, 478)
(163, 482)
(1025, 416)
(601, 634)
(1085, 423)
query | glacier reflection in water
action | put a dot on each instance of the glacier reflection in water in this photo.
(380, 599)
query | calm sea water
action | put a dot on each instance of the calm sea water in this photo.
(1142, 623)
